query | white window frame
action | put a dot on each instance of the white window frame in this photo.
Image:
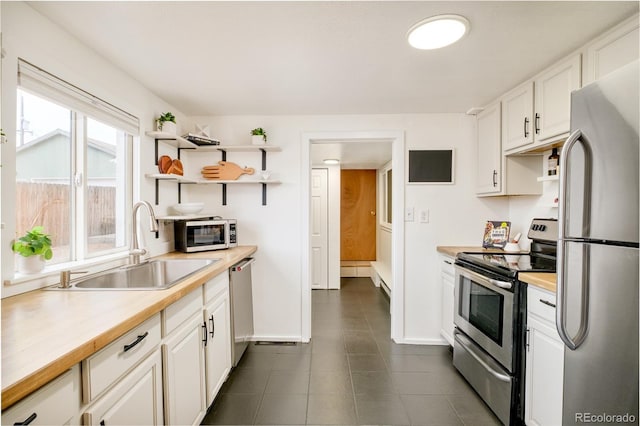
(82, 105)
(385, 207)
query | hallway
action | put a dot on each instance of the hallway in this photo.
(350, 374)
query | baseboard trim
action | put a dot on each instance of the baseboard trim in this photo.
(278, 339)
(419, 341)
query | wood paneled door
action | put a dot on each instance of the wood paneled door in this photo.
(358, 215)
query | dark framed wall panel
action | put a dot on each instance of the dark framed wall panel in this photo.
(435, 166)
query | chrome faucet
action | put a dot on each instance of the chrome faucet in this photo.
(135, 251)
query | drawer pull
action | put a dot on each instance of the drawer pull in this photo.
(448, 262)
(135, 342)
(213, 326)
(27, 421)
(546, 302)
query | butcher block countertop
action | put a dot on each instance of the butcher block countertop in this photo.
(44, 333)
(544, 280)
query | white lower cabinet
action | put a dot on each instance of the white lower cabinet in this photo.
(447, 275)
(544, 361)
(135, 400)
(196, 351)
(218, 348)
(56, 403)
(184, 371)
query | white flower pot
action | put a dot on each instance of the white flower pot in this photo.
(168, 127)
(30, 265)
(258, 140)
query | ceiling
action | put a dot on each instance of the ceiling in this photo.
(333, 57)
(227, 58)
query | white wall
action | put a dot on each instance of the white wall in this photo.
(524, 208)
(28, 35)
(457, 216)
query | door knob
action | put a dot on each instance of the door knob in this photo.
(372, 213)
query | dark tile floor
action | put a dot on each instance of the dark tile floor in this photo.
(350, 374)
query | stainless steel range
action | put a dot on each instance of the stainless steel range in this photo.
(490, 319)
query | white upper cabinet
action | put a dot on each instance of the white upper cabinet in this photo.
(489, 170)
(553, 99)
(517, 117)
(612, 50)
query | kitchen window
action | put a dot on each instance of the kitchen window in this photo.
(73, 167)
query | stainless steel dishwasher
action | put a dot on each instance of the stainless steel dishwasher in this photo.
(241, 297)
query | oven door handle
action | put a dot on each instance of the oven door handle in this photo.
(502, 284)
(466, 344)
(482, 280)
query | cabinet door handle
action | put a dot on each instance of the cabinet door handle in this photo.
(526, 127)
(495, 178)
(528, 333)
(537, 123)
(213, 326)
(204, 326)
(448, 262)
(27, 421)
(135, 342)
(546, 302)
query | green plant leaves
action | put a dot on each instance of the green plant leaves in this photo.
(34, 243)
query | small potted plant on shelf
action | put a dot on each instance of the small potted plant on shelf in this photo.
(167, 123)
(258, 136)
(34, 248)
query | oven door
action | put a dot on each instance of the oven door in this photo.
(484, 312)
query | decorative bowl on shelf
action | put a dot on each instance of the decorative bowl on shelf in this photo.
(188, 208)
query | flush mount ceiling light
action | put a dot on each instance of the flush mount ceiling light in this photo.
(331, 161)
(438, 31)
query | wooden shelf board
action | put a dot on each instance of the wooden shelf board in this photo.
(240, 148)
(170, 139)
(548, 178)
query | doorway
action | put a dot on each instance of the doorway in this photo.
(357, 141)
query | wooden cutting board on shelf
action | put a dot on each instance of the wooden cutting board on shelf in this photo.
(225, 170)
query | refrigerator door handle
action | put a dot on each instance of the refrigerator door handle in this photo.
(561, 314)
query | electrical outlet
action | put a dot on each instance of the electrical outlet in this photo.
(408, 214)
(424, 216)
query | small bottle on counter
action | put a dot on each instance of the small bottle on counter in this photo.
(554, 162)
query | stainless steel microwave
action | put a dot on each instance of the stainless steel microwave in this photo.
(205, 235)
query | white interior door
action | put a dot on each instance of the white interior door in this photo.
(319, 229)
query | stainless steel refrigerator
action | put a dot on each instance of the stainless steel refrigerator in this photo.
(597, 296)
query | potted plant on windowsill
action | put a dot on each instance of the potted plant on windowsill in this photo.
(167, 123)
(258, 136)
(34, 248)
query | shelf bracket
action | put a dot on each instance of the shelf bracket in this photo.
(179, 151)
(156, 155)
(264, 194)
(224, 194)
(179, 192)
(157, 190)
(264, 161)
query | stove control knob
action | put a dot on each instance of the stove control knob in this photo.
(543, 228)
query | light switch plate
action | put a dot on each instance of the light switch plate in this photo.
(424, 216)
(408, 214)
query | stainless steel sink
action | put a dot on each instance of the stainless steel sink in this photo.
(153, 275)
